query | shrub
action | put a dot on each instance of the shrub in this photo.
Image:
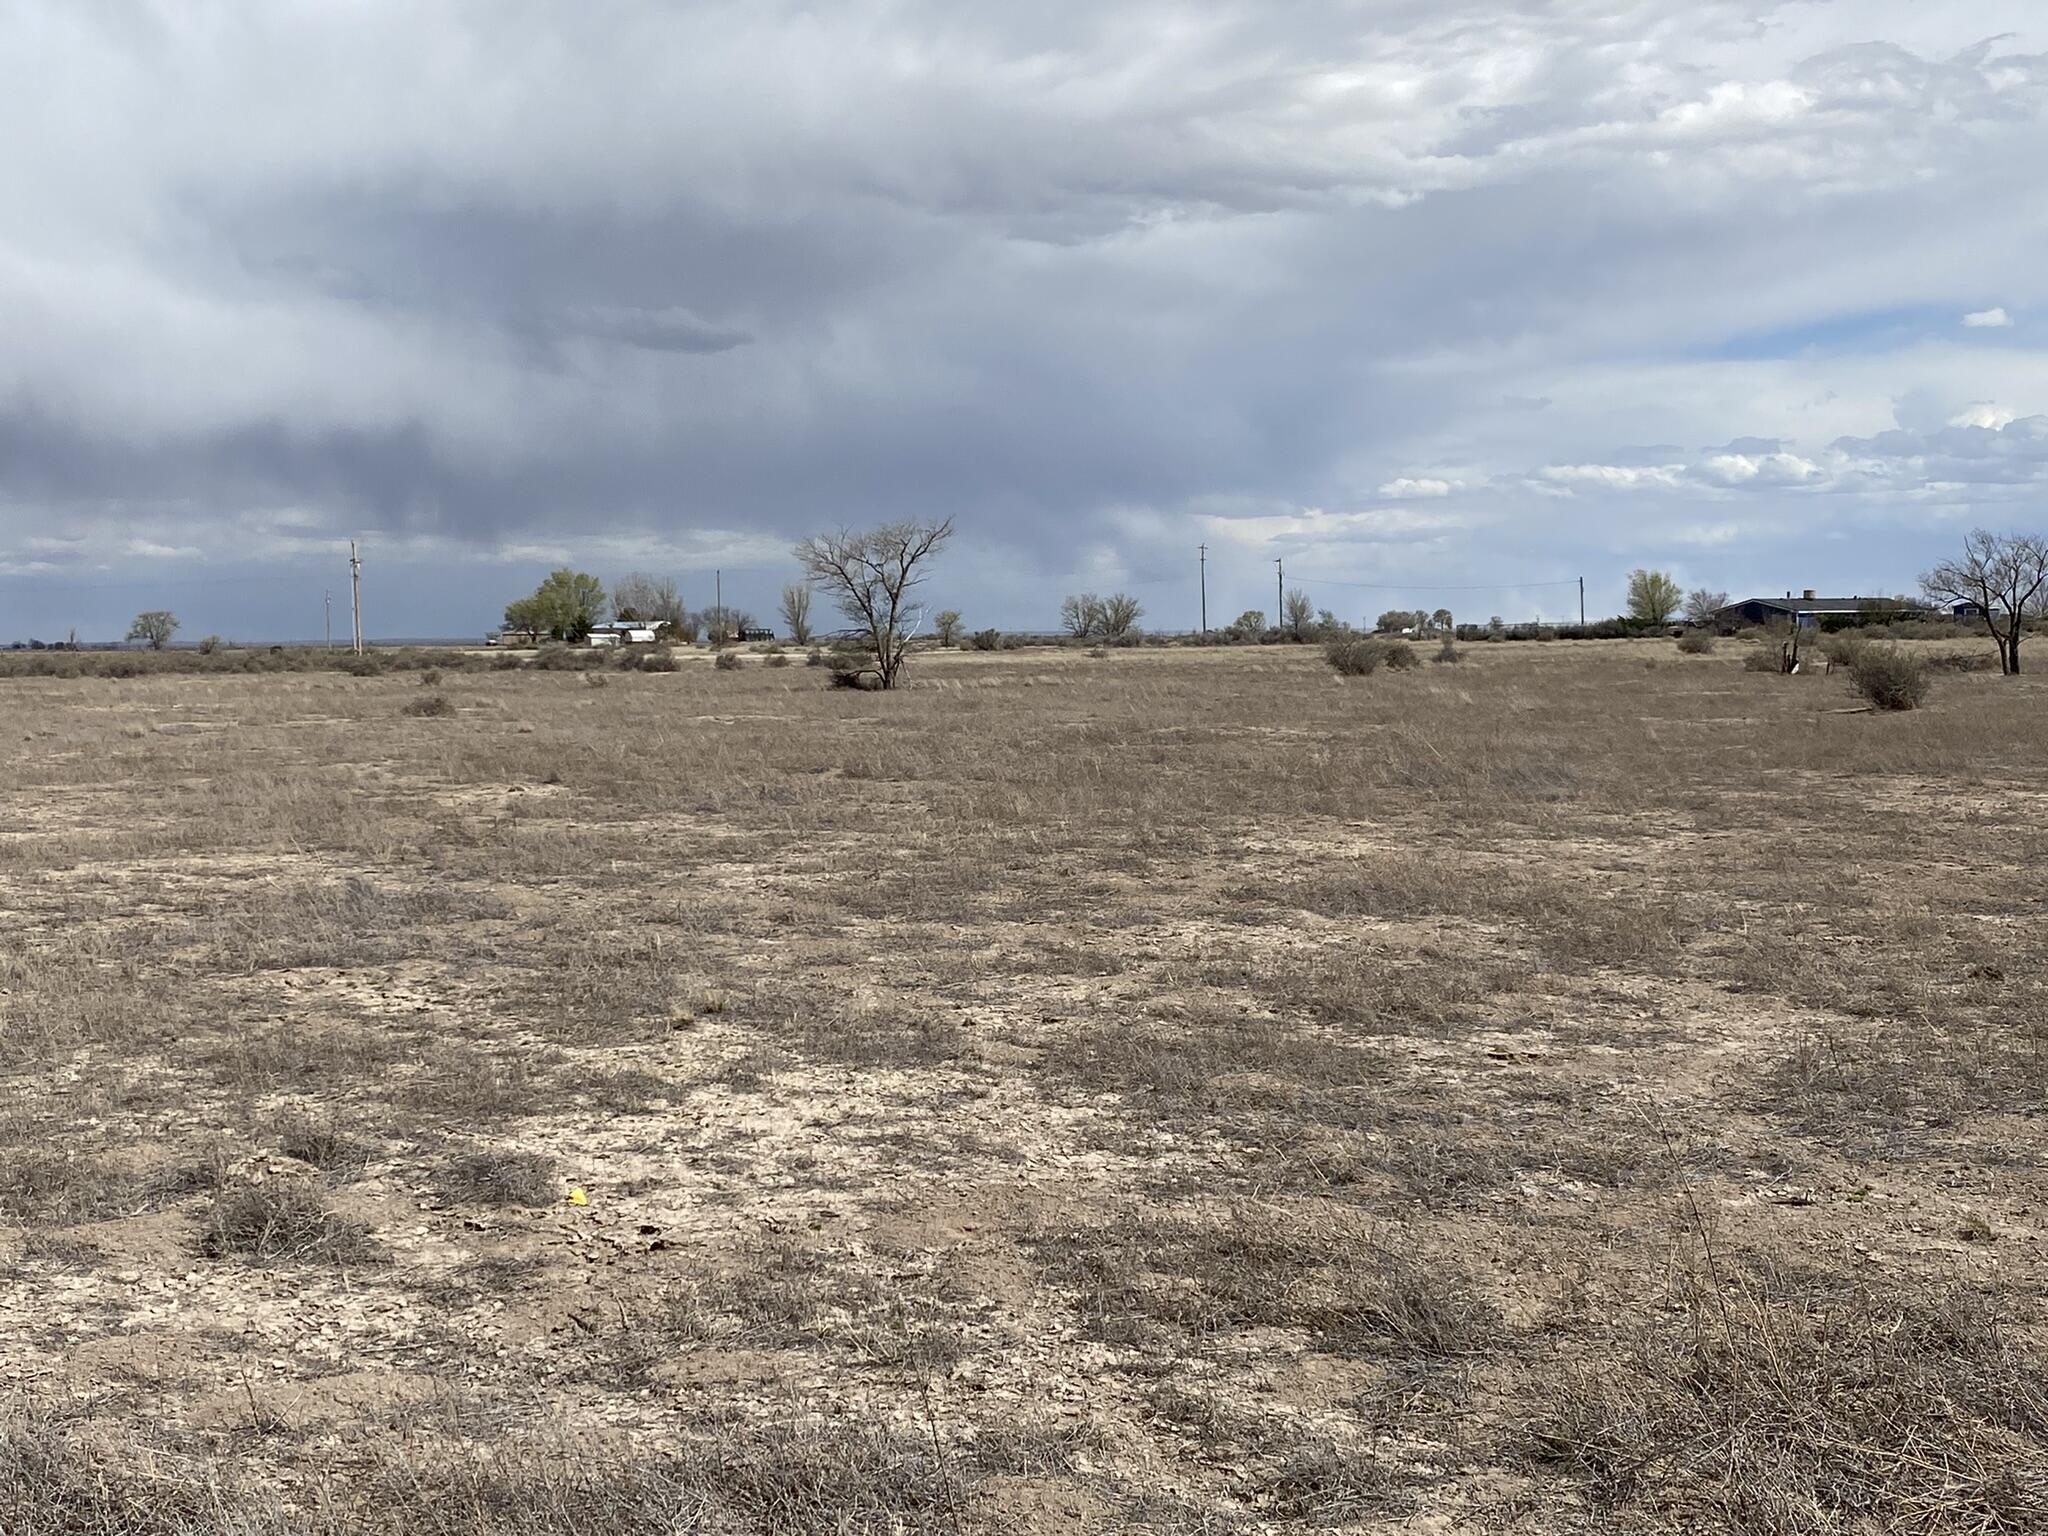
(209, 645)
(431, 678)
(851, 669)
(1098, 653)
(369, 664)
(777, 659)
(1888, 678)
(1696, 642)
(728, 661)
(985, 640)
(814, 658)
(434, 706)
(1356, 657)
(1401, 656)
(1763, 657)
(660, 659)
(1448, 652)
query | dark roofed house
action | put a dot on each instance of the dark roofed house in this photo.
(1806, 610)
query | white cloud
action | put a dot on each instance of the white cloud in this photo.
(1987, 319)
(1616, 477)
(1983, 413)
(1406, 489)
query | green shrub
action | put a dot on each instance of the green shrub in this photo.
(1888, 678)
(985, 640)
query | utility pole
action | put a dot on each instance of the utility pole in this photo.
(718, 594)
(355, 589)
(1279, 593)
(1582, 602)
(327, 601)
(1204, 550)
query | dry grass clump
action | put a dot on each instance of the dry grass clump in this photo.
(1796, 1403)
(1350, 1291)
(1696, 642)
(281, 1221)
(318, 1142)
(61, 1187)
(435, 706)
(503, 1178)
(728, 661)
(795, 1479)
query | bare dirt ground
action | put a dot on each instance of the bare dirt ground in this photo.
(1580, 1089)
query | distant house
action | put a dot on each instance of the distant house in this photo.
(1963, 608)
(1805, 611)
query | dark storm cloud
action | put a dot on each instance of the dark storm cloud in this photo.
(1103, 282)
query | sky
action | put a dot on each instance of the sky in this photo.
(1442, 303)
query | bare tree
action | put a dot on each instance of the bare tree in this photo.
(1118, 615)
(1081, 616)
(648, 599)
(796, 611)
(873, 575)
(1297, 615)
(2004, 575)
(722, 625)
(1701, 605)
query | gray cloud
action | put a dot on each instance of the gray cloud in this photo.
(674, 329)
(475, 280)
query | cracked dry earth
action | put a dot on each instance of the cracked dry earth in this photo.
(1177, 1092)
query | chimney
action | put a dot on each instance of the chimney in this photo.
(1809, 594)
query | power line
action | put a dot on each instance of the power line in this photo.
(1416, 586)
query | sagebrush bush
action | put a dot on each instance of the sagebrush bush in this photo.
(1763, 657)
(728, 661)
(777, 659)
(1888, 678)
(1448, 653)
(1401, 656)
(1356, 657)
(432, 707)
(1696, 642)
(814, 657)
(985, 640)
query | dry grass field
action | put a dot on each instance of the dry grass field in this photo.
(1582, 1089)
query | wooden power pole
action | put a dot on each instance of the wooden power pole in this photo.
(355, 593)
